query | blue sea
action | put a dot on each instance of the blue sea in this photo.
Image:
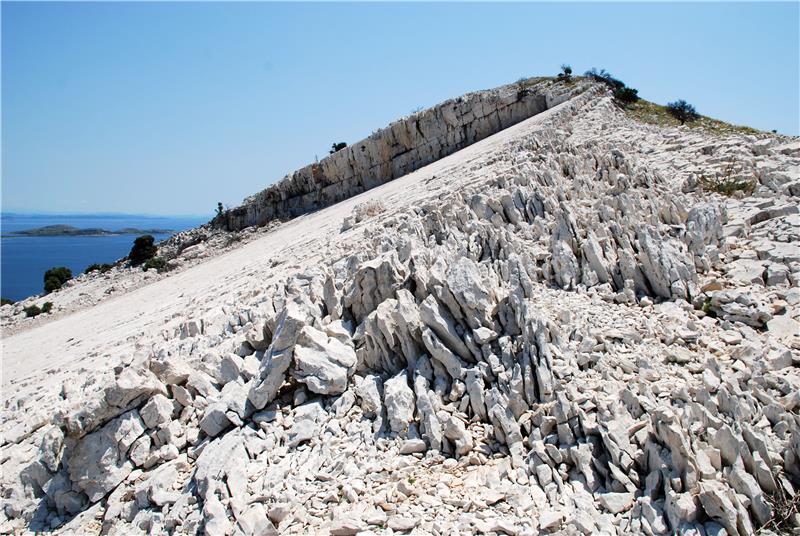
(24, 259)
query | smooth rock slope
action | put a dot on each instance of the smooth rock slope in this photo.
(553, 330)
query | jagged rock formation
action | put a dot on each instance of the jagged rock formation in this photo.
(559, 334)
(404, 146)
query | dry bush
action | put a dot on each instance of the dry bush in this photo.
(371, 208)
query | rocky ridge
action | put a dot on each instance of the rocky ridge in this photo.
(400, 148)
(576, 339)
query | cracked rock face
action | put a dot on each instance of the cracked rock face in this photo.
(555, 332)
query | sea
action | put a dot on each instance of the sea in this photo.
(25, 259)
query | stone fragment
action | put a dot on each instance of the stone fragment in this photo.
(615, 502)
(441, 322)
(455, 430)
(412, 446)
(370, 391)
(51, 448)
(99, 461)
(399, 401)
(323, 363)
(215, 419)
(347, 526)
(278, 357)
(714, 498)
(221, 459)
(158, 410)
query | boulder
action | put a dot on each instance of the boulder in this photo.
(278, 357)
(99, 461)
(323, 363)
(158, 410)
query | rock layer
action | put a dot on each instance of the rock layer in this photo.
(402, 147)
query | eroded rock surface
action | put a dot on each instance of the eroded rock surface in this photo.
(558, 332)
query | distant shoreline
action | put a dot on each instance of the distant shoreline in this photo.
(69, 230)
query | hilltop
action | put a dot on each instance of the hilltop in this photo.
(522, 311)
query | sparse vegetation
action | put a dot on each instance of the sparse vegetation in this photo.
(368, 209)
(156, 263)
(220, 208)
(605, 77)
(32, 311)
(54, 278)
(729, 182)
(525, 84)
(626, 95)
(102, 268)
(623, 95)
(682, 111)
(655, 114)
(785, 508)
(143, 248)
(6, 301)
(727, 187)
(337, 147)
(566, 74)
(47, 307)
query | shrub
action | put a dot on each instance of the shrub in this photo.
(368, 209)
(6, 301)
(566, 73)
(727, 186)
(683, 111)
(622, 93)
(32, 311)
(220, 209)
(143, 249)
(337, 147)
(102, 268)
(156, 263)
(605, 77)
(47, 307)
(54, 278)
(626, 95)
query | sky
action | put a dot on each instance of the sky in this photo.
(168, 108)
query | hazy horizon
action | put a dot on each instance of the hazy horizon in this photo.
(169, 108)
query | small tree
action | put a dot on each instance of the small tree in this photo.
(54, 278)
(683, 111)
(220, 209)
(566, 73)
(337, 147)
(143, 248)
(32, 310)
(47, 307)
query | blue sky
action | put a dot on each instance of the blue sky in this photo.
(167, 108)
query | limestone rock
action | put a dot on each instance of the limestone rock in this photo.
(323, 363)
(99, 461)
(399, 402)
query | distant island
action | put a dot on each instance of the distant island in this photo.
(69, 230)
